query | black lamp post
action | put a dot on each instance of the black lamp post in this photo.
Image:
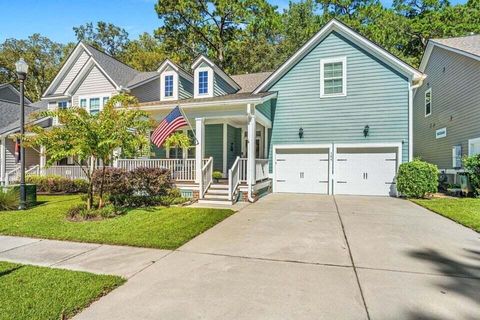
(22, 68)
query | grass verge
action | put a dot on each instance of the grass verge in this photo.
(29, 292)
(159, 227)
(465, 211)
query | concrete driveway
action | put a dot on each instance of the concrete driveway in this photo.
(312, 257)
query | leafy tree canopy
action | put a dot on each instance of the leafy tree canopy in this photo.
(106, 36)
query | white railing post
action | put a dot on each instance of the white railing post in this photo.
(233, 178)
(3, 160)
(199, 153)
(251, 149)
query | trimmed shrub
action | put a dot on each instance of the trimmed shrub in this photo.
(417, 178)
(9, 199)
(472, 167)
(116, 181)
(54, 184)
(81, 213)
(172, 197)
(150, 181)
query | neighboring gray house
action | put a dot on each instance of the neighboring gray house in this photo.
(9, 124)
(447, 105)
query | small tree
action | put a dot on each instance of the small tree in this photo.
(89, 139)
(178, 140)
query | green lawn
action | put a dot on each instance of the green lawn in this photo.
(28, 292)
(465, 211)
(165, 228)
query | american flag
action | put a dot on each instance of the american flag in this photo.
(172, 122)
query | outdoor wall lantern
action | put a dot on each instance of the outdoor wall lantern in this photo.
(300, 133)
(365, 130)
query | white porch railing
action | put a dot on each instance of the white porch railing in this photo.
(14, 175)
(261, 169)
(242, 168)
(71, 172)
(181, 169)
(207, 171)
(233, 178)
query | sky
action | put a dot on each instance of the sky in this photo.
(56, 18)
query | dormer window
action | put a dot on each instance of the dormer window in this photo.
(203, 82)
(169, 86)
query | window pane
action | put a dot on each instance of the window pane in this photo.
(191, 150)
(333, 86)
(62, 104)
(333, 70)
(169, 86)
(83, 103)
(428, 102)
(105, 100)
(203, 82)
(94, 105)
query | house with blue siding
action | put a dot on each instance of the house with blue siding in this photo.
(335, 118)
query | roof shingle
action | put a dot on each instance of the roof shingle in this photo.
(469, 44)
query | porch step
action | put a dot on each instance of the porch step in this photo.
(218, 191)
(218, 186)
(210, 196)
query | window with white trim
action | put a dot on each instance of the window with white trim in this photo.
(428, 102)
(62, 104)
(94, 103)
(473, 146)
(333, 77)
(169, 85)
(203, 82)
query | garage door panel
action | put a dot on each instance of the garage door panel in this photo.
(302, 171)
(365, 173)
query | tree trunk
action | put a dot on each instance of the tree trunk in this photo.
(90, 195)
(100, 203)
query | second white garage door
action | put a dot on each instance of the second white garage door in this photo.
(365, 171)
(302, 170)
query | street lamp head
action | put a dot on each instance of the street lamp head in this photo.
(22, 69)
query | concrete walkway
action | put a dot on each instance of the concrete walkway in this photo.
(294, 257)
(96, 258)
(312, 257)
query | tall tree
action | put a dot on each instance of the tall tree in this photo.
(193, 27)
(106, 36)
(144, 54)
(43, 56)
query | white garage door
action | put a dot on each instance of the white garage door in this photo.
(301, 170)
(365, 171)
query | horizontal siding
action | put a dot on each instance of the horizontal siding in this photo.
(185, 88)
(31, 156)
(214, 144)
(94, 82)
(147, 92)
(377, 96)
(72, 73)
(455, 83)
(221, 87)
(265, 109)
(233, 139)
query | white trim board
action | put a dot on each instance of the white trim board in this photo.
(335, 25)
(428, 51)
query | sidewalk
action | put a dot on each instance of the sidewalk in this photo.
(95, 258)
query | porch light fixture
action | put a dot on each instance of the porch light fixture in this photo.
(300, 133)
(366, 130)
(22, 69)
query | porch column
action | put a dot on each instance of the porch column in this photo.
(3, 164)
(251, 149)
(225, 151)
(43, 160)
(199, 148)
(265, 143)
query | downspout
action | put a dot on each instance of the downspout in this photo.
(412, 87)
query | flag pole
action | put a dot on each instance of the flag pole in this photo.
(188, 121)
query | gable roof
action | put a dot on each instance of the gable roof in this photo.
(216, 69)
(13, 90)
(10, 112)
(335, 25)
(468, 46)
